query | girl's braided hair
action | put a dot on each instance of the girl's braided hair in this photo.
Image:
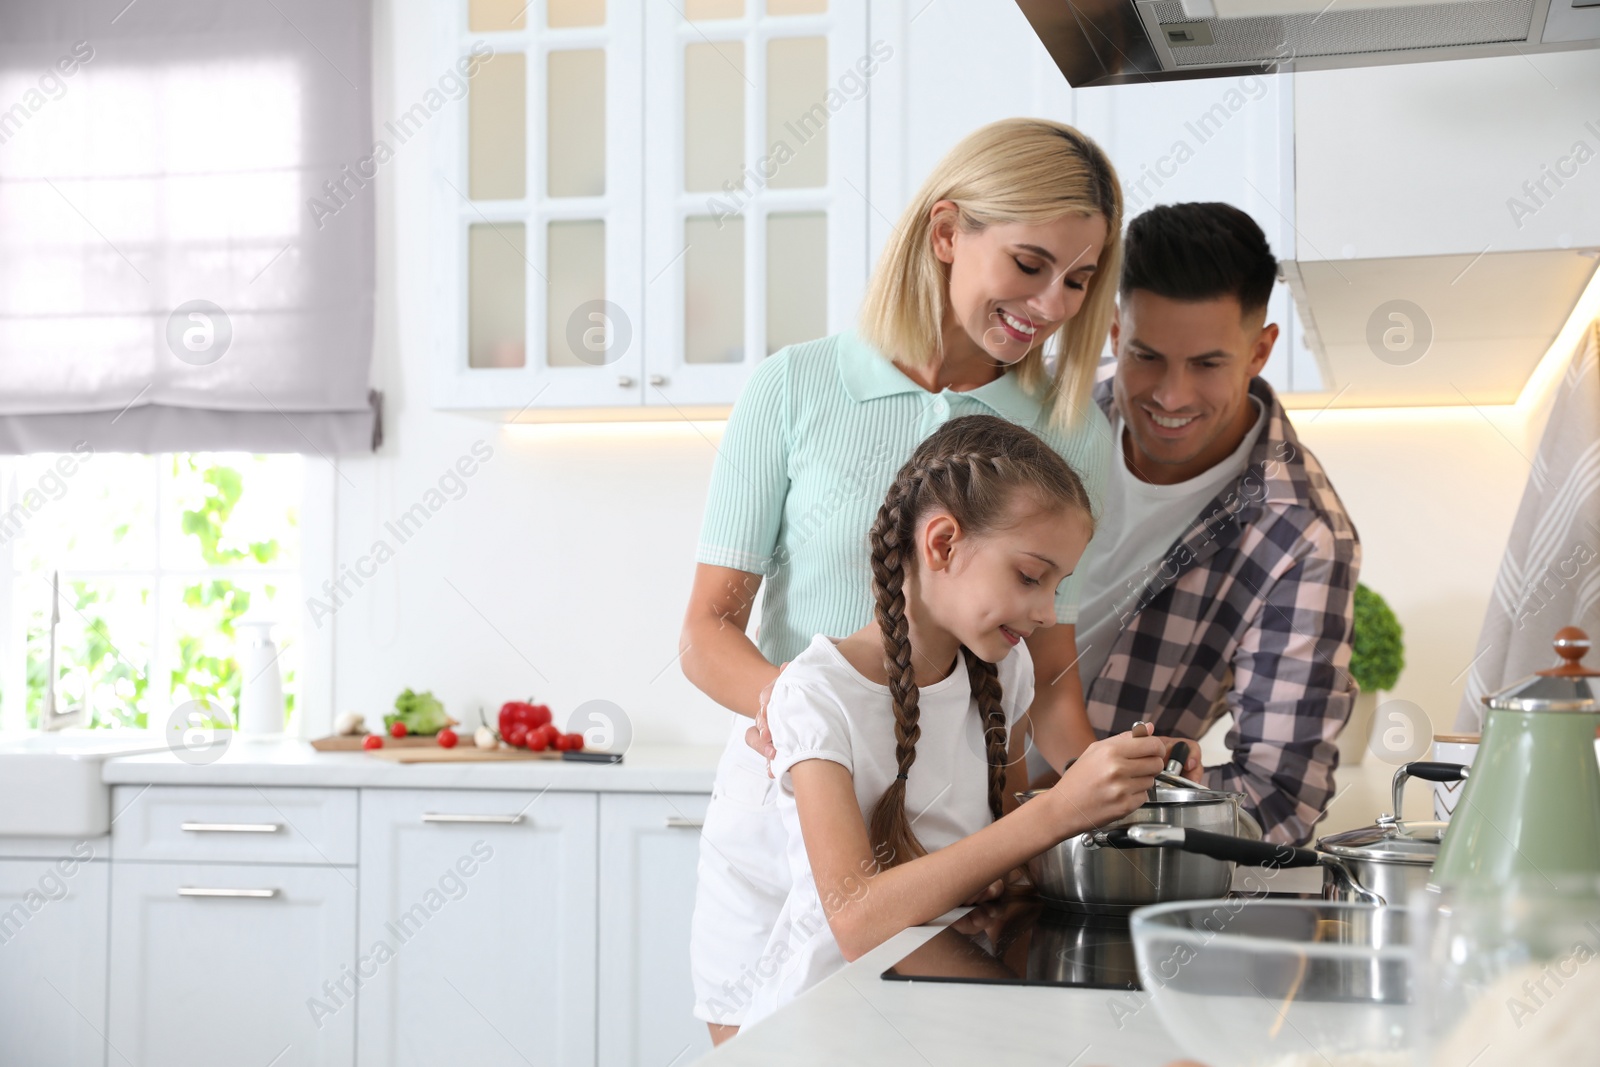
(972, 467)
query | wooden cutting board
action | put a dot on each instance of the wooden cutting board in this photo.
(353, 742)
(460, 754)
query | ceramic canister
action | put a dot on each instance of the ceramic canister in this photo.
(1451, 748)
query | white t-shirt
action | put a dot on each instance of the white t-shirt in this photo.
(823, 708)
(1138, 524)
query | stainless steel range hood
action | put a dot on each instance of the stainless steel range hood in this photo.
(1109, 42)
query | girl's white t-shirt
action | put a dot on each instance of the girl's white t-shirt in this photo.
(823, 708)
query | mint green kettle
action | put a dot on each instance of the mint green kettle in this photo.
(1532, 803)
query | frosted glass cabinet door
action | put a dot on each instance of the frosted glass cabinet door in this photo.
(649, 846)
(227, 963)
(535, 218)
(755, 213)
(53, 962)
(477, 928)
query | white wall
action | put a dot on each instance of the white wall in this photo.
(564, 569)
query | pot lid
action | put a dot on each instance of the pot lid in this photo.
(1165, 793)
(1568, 687)
(1410, 843)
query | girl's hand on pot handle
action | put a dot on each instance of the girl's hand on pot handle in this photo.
(1112, 778)
(759, 737)
(1191, 762)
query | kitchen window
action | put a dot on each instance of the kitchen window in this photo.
(640, 202)
(158, 556)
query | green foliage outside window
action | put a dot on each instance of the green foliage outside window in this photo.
(201, 671)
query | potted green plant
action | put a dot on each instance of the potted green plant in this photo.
(1376, 659)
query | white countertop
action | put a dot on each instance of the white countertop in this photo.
(856, 1017)
(644, 769)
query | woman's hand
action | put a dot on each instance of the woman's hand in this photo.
(1111, 779)
(759, 737)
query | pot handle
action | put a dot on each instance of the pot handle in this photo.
(1206, 843)
(1437, 772)
(1428, 772)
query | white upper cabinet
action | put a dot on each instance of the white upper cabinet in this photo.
(755, 208)
(639, 202)
(537, 186)
(1227, 139)
(1456, 157)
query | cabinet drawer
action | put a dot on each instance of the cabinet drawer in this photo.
(234, 824)
(215, 963)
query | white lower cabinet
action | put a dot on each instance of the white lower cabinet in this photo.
(478, 917)
(497, 929)
(649, 845)
(53, 961)
(230, 963)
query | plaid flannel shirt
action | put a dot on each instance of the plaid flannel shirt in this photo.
(1249, 612)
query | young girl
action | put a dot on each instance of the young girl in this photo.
(1012, 243)
(897, 758)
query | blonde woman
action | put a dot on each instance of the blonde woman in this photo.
(1012, 243)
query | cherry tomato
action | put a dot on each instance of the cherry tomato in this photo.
(536, 741)
(574, 741)
(517, 736)
(397, 729)
(550, 733)
(372, 741)
(447, 738)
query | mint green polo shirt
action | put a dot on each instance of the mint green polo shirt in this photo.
(810, 449)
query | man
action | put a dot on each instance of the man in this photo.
(1223, 571)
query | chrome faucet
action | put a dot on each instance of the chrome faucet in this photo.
(49, 718)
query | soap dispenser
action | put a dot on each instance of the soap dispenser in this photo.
(261, 693)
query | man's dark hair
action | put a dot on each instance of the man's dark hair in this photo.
(1199, 252)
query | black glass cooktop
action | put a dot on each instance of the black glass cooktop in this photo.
(1023, 941)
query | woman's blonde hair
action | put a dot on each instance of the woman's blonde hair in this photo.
(1015, 170)
(972, 467)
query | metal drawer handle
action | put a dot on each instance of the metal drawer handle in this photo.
(678, 822)
(445, 816)
(232, 827)
(196, 891)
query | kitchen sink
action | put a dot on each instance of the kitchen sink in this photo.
(50, 782)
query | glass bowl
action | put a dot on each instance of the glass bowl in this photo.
(1279, 983)
(1509, 973)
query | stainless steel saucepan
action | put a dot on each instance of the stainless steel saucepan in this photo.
(1184, 843)
(1079, 872)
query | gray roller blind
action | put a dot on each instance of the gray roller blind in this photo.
(186, 234)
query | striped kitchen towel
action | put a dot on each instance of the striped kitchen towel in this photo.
(1550, 576)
